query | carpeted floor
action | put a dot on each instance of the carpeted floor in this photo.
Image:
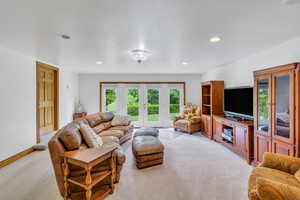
(194, 168)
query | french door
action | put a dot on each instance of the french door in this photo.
(148, 105)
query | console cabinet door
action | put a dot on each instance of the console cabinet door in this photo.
(240, 139)
(217, 133)
(206, 124)
(262, 144)
(282, 148)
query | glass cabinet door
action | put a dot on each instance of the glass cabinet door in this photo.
(282, 96)
(263, 105)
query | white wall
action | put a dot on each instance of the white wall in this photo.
(240, 73)
(89, 86)
(18, 101)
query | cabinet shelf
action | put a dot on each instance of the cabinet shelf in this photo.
(99, 194)
(96, 178)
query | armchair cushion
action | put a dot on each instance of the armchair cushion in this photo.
(281, 162)
(195, 119)
(271, 190)
(271, 174)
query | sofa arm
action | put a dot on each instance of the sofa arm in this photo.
(271, 190)
(121, 158)
(281, 162)
(176, 118)
(195, 120)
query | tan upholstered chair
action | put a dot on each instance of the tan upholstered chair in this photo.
(277, 177)
(190, 120)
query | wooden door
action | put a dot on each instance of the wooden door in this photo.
(283, 106)
(262, 144)
(217, 130)
(283, 148)
(47, 99)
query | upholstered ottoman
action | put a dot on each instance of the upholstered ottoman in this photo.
(146, 132)
(148, 151)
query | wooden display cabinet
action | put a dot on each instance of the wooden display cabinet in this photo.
(276, 106)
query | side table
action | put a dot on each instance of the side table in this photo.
(87, 159)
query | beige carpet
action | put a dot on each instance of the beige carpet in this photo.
(195, 168)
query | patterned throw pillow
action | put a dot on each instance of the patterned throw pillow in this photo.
(90, 137)
(120, 120)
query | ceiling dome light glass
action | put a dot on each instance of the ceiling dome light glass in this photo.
(215, 39)
(140, 55)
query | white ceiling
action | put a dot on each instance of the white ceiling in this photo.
(173, 30)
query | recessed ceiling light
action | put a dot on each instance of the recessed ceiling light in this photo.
(215, 39)
(99, 62)
(66, 37)
(185, 63)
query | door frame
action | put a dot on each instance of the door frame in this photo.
(101, 86)
(40, 65)
(136, 82)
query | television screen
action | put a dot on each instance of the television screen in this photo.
(239, 101)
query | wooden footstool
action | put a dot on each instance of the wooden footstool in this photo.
(148, 151)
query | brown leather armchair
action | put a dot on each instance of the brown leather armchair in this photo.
(190, 120)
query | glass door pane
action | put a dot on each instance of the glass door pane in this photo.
(263, 88)
(282, 106)
(152, 104)
(111, 100)
(133, 104)
(174, 106)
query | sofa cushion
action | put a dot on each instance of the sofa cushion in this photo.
(297, 175)
(93, 119)
(120, 120)
(116, 133)
(110, 139)
(101, 127)
(123, 128)
(90, 137)
(70, 137)
(272, 174)
(106, 116)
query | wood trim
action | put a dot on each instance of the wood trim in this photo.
(139, 82)
(16, 157)
(276, 69)
(40, 65)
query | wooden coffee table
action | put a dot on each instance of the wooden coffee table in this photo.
(87, 159)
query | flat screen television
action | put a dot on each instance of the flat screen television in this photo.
(239, 102)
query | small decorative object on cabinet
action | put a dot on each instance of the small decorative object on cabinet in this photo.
(79, 115)
(276, 96)
(212, 104)
(88, 159)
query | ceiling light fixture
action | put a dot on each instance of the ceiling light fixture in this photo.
(99, 62)
(215, 39)
(185, 63)
(140, 55)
